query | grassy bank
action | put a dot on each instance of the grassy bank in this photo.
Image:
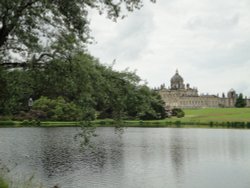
(217, 115)
(3, 183)
(201, 118)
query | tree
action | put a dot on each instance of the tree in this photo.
(3, 88)
(18, 87)
(240, 102)
(30, 28)
(82, 83)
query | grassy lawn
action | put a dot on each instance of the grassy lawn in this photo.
(216, 115)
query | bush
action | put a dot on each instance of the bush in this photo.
(149, 115)
(5, 118)
(58, 109)
(25, 122)
(31, 115)
(178, 112)
(33, 122)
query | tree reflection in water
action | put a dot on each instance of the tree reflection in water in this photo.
(94, 153)
(119, 131)
(85, 134)
(177, 154)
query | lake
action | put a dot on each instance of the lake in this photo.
(129, 157)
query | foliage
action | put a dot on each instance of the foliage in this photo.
(34, 28)
(240, 102)
(151, 105)
(3, 87)
(58, 109)
(19, 86)
(84, 136)
(178, 112)
(30, 123)
(127, 99)
(65, 82)
(86, 90)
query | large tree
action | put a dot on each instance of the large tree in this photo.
(30, 28)
(84, 85)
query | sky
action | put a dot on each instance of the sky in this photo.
(208, 41)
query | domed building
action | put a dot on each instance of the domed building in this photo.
(179, 95)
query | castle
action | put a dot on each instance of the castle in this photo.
(180, 95)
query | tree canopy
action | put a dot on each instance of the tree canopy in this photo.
(81, 85)
(66, 82)
(32, 28)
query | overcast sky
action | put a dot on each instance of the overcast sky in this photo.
(208, 41)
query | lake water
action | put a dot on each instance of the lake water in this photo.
(129, 157)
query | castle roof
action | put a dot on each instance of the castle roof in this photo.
(231, 90)
(176, 77)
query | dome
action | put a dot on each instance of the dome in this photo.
(177, 81)
(231, 93)
(176, 77)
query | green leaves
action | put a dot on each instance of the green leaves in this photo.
(34, 26)
(240, 102)
(79, 87)
(58, 109)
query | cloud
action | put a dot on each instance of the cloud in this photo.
(208, 41)
(125, 40)
(213, 22)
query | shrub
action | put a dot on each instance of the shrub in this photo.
(33, 122)
(5, 118)
(178, 112)
(59, 109)
(25, 122)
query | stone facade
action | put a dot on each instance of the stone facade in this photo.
(180, 95)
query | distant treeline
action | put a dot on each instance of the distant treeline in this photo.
(76, 88)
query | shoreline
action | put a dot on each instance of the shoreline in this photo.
(128, 123)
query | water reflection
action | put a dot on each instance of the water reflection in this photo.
(56, 156)
(86, 134)
(177, 154)
(119, 131)
(236, 147)
(131, 157)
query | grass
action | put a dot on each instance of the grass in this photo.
(216, 115)
(27, 183)
(202, 118)
(3, 183)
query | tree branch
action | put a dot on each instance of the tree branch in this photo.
(8, 28)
